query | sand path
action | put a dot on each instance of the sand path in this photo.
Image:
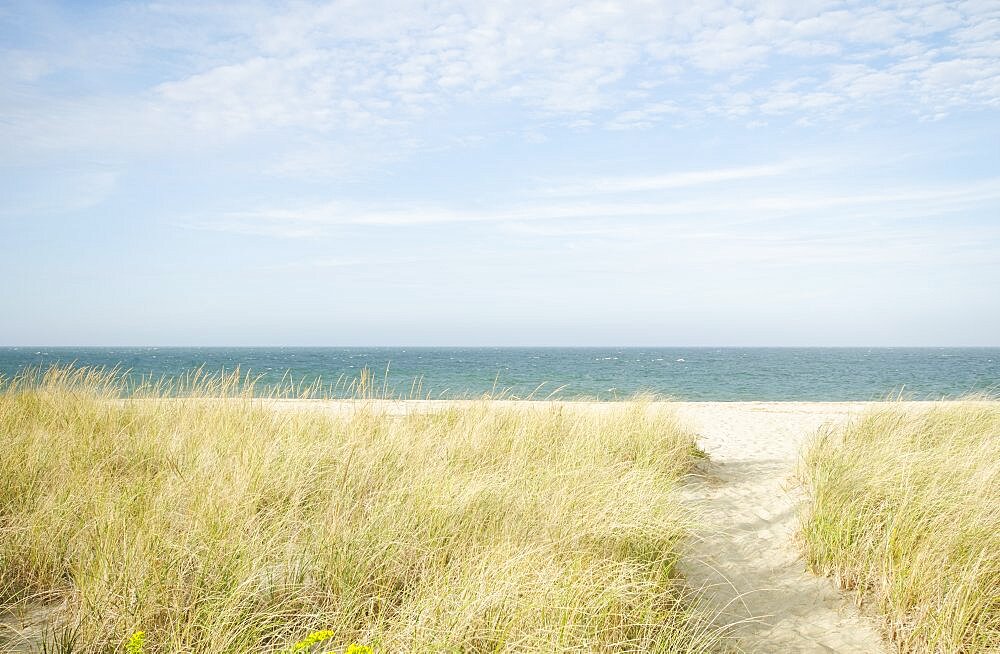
(747, 560)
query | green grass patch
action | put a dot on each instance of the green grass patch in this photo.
(905, 507)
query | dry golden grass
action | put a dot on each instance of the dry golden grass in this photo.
(233, 527)
(905, 507)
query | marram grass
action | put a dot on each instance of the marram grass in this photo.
(905, 507)
(234, 526)
(136, 644)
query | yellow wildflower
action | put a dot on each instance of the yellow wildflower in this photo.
(319, 636)
(311, 639)
(135, 642)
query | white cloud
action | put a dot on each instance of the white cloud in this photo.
(645, 116)
(380, 67)
(670, 180)
(590, 212)
(521, 143)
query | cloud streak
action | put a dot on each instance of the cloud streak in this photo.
(754, 206)
(668, 181)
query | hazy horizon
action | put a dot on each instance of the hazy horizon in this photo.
(486, 346)
(468, 174)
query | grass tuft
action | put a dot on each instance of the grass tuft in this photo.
(905, 507)
(217, 522)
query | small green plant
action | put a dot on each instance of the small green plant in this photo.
(61, 639)
(135, 643)
(316, 637)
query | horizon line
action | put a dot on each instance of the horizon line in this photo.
(500, 347)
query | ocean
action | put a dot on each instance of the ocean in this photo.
(606, 373)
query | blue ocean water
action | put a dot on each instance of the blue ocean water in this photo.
(685, 373)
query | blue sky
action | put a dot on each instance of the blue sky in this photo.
(521, 173)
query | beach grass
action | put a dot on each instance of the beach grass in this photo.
(214, 521)
(905, 507)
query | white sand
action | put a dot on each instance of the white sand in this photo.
(747, 560)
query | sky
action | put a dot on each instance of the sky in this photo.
(533, 172)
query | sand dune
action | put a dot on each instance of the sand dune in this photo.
(747, 560)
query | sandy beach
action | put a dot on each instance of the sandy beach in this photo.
(746, 558)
